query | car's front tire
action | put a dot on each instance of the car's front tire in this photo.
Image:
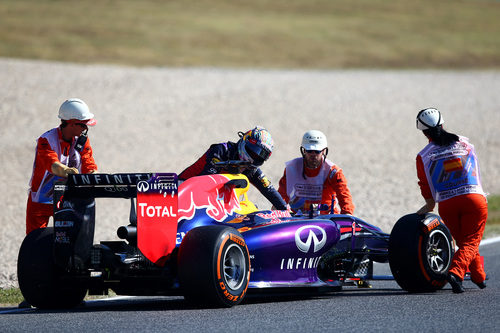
(214, 266)
(420, 252)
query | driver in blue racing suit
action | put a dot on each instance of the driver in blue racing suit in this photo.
(253, 148)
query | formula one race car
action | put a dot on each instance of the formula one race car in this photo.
(206, 241)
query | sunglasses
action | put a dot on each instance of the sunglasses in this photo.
(81, 125)
(314, 151)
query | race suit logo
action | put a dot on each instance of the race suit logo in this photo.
(312, 238)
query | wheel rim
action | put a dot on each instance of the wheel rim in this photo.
(234, 267)
(438, 251)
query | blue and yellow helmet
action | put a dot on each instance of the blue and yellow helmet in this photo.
(255, 146)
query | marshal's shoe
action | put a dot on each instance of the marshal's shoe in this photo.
(481, 285)
(455, 283)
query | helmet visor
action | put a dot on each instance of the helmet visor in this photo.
(258, 154)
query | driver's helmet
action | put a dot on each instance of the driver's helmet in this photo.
(429, 118)
(255, 146)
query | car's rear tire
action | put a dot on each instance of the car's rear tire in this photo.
(420, 252)
(38, 276)
(214, 266)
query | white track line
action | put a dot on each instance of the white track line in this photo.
(490, 240)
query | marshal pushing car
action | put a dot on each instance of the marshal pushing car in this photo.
(205, 240)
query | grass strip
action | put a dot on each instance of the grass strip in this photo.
(258, 33)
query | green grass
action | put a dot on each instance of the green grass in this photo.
(257, 33)
(493, 224)
(12, 296)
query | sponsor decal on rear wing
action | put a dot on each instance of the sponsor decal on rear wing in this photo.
(157, 210)
(119, 185)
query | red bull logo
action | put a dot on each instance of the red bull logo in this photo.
(276, 216)
(209, 193)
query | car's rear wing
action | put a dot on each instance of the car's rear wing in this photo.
(101, 185)
(74, 213)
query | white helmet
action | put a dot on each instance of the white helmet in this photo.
(75, 108)
(429, 118)
(314, 140)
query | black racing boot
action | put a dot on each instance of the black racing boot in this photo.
(455, 283)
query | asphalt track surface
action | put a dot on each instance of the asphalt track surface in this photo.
(382, 308)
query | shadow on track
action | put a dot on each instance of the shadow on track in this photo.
(177, 303)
